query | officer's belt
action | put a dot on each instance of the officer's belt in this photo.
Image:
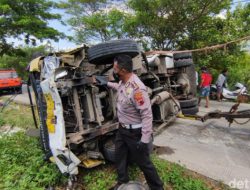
(131, 126)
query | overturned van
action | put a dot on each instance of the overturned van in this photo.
(77, 117)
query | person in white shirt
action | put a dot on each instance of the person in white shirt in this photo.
(220, 83)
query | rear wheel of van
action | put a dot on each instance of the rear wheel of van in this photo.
(183, 62)
(109, 149)
(188, 103)
(190, 111)
(104, 53)
(20, 90)
(183, 55)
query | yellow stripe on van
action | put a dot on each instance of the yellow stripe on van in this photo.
(51, 120)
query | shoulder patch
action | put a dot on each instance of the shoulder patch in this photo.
(138, 96)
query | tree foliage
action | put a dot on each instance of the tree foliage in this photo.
(158, 24)
(92, 21)
(167, 23)
(20, 62)
(28, 20)
(234, 25)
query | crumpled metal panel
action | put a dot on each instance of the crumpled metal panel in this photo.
(66, 161)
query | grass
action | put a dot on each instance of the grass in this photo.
(22, 165)
(173, 176)
(23, 172)
(16, 115)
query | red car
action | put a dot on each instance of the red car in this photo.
(9, 81)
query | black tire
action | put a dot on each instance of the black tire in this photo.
(192, 79)
(183, 62)
(20, 90)
(184, 55)
(17, 90)
(188, 103)
(190, 111)
(104, 53)
(109, 150)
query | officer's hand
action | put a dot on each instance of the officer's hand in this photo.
(102, 80)
(142, 146)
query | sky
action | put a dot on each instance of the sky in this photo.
(62, 43)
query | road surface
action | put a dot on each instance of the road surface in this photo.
(211, 148)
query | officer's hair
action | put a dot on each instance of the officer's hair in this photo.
(124, 62)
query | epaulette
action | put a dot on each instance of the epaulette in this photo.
(134, 85)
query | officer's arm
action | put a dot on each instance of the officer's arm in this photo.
(113, 85)
(142, 103)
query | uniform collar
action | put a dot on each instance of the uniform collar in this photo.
(129, 80)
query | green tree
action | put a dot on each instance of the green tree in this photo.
(165, 23)
(218, 30)
(28, 20)
(92, 21)
(20, 62)
(103, 26)
(240, 72)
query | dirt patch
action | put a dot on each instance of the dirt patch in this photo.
(159, 150)
(6, 129)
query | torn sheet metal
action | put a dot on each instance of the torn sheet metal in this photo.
(64, 158)
(50, 64)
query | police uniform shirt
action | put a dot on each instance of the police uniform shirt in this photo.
(133, 105)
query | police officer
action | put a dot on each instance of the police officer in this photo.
(135, 118)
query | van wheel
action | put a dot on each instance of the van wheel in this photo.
(184, 55)
(183, 62)
(104, 53)
(188, 103)
(20, 90)
(109, 149)
(190, 111)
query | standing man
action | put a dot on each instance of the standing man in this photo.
(135, 118)
(220, 83)
(206, 79)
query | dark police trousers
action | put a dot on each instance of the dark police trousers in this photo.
(126, 145)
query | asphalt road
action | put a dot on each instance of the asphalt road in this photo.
(24, 88)
(211, 148)
(22, 98)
